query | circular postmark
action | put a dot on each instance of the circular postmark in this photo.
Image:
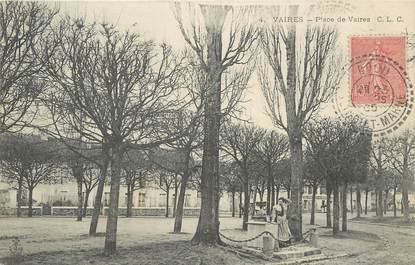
(379, 91)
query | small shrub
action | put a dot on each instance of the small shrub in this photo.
(16, 251)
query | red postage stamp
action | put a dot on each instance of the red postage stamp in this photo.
(376, 73)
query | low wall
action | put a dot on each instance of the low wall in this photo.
(154, 211)
(24, 210)
(68, 211)
(122, 211)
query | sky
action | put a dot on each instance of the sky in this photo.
(155, 20)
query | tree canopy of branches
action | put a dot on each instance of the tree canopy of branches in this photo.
(23, 31)
(136, 170)
(401, 153)
(295, 80)
(112, 88)
(271, 149)
(218, 46)
(27, 161)
(379, 163)
(312, 178)
(239, 141)
(181, 159)
(341, 150)
(230, 180)
(90, 181)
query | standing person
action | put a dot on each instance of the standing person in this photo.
(279, 215)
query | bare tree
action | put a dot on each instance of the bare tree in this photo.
(295, 87)
(380, 164)
(401, 152)
(231, 181)
(239, 141)
(341, 150)
(272, 149)
(90, 181)
(77, 168)
(216, 51)
(136, 169)
(120, 86)
(183, 154)
(165, 181)
(23, 30)
(313, 178)
(28, 161)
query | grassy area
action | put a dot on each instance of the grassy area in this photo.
(168, 253)
(144, 241)
(139, 241)
(399, 220)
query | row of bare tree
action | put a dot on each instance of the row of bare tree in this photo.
(112, 92)
(103, 87)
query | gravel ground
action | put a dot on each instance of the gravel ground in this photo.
(370, 244)
(141, 240)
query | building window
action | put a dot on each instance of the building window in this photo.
(310, 190)
(141, 199)
(323, 190)
(162, 201)
(187, 200)
(106, 199)
(64, 194)
(305, 205)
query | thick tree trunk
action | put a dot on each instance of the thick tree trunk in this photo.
(240, 202)
(358, 201)
(313, 204)
(394, 201)
(272, 195)
(254, 202)
(385, 202)
(344, 206)
(328, 212)
(98, 199)
(269, 206)
(80, 202)
(405, 202)
(208, 226)
(167, 201)
(233, 203)
(406, 181)
(112, 219)
(294, 213)
(176, 189)
(366, 196)
(246, 205)
(261, 195)
(130, 196)
(30, 214)
(379, 208)
(19, 196)
(351, 199)
(87, 192)
(336, 210)
(277, 194)
(178, 219)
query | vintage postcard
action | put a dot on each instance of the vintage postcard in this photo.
(207, 132)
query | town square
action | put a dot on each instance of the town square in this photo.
(207, 132)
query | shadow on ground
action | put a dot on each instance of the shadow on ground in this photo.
(167, 253)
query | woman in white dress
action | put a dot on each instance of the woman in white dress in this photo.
(279, 215)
